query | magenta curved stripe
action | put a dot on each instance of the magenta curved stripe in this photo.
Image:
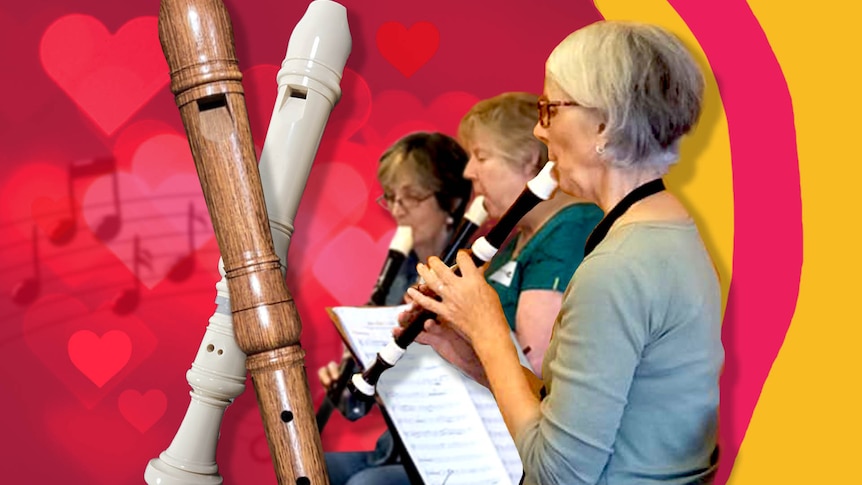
(767, 254)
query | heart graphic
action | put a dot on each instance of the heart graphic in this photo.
(161, 206)
(109, 77)
(142, 410)
(100, 358)
(128, 141)
(335, 196)
(165, 162)
(83, 347)
(356, 248)
(352, 110)
(160, 225)
(162, 156)
(408, 49)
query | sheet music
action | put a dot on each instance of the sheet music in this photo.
(488, 411)
(449, 424)
(491, 417)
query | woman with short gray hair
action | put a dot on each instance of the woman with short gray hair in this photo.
(630, 390)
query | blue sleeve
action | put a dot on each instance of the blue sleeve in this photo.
(598, 336)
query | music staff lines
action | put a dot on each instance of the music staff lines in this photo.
(94, 247)
(96, 205)
(70, 318)
(207, 230)
(27, 290)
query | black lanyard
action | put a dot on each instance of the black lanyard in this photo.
(602, 228)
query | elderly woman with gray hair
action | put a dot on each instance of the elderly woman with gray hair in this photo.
(630, 390)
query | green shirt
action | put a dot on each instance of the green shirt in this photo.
(547, 261)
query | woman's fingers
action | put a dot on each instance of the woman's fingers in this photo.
(444, 274)
(323, 376)
(465, 264)
(333, 368)
(328, 374)
(426, 274)
(425, 302)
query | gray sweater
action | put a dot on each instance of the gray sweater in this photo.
(633, 365)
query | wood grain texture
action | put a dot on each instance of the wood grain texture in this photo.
(197, 39)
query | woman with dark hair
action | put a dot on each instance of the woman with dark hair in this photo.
(423, 188)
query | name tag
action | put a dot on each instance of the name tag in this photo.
(505, 273)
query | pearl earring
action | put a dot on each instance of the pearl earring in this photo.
(600, 149)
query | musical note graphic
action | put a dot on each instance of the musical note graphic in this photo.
(184, 267)
(127, 301)
(110, 225)
(27, 290)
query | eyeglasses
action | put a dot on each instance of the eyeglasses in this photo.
(407, 202)
(544, 105)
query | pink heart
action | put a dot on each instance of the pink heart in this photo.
(165, 162)
(100, 358)
(335, 195)
(128, 141)
(157, 218)
(161, 156)
(109, 77)
(408, 49)
(352, 110)
(364, 255)
(142, 410)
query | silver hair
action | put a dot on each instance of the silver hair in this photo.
(642, 81)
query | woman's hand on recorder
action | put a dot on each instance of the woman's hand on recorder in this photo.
(449, 344)
(465, 302)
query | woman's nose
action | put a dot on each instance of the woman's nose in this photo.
(396, 209)
(470, 169)
(540, 132)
